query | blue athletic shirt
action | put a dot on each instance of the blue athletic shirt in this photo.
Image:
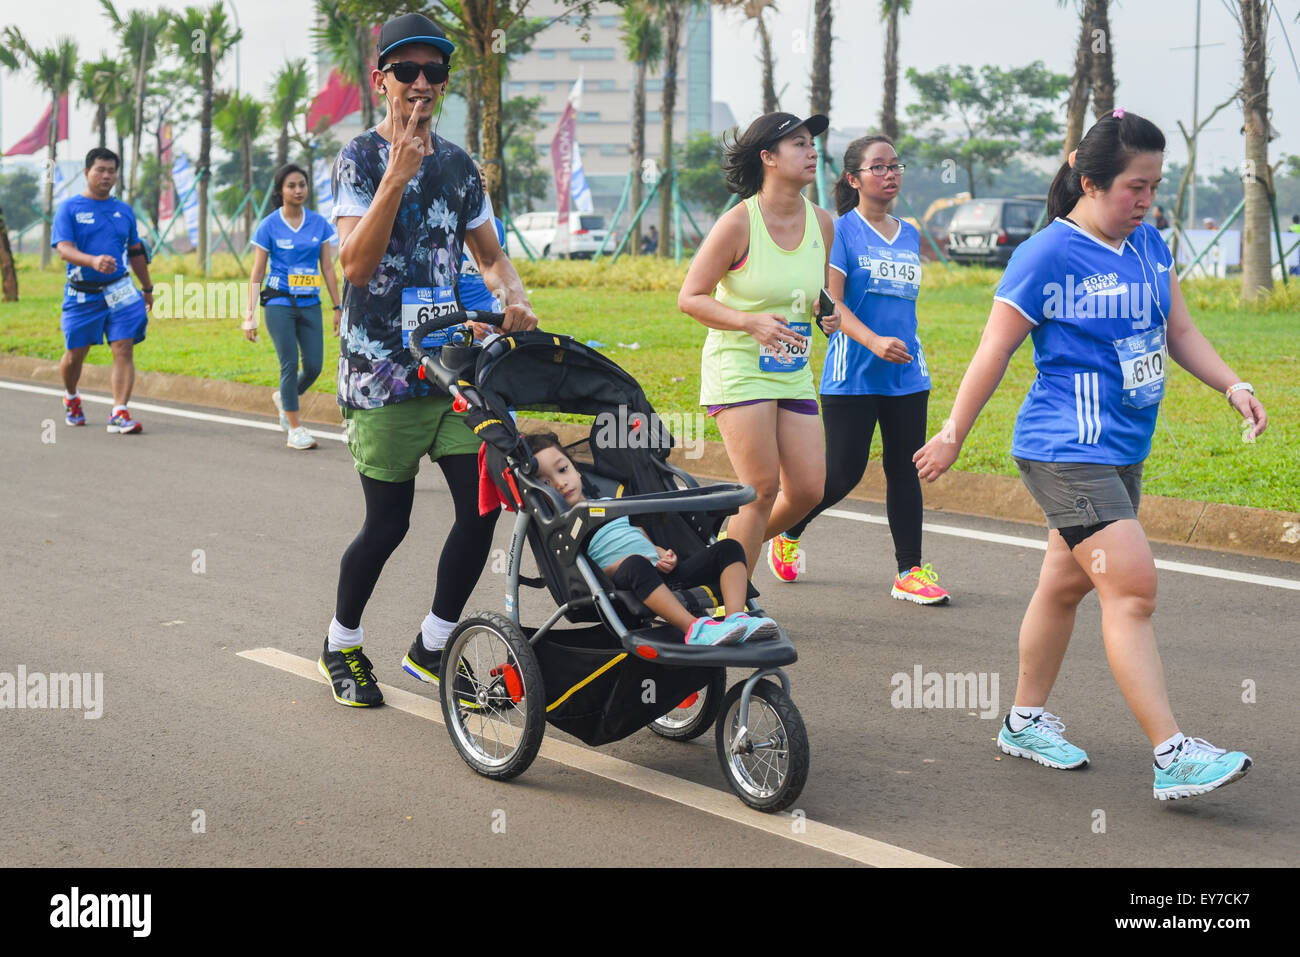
(614, 542)
(1099, 317)
(885, 300)
(294, 252)
(470, 287)
(97, 227)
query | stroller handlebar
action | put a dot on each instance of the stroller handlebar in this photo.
(724, 496)
(437, 373)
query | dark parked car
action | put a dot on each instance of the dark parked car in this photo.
(987, 231)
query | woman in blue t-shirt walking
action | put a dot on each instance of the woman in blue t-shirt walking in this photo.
(875, 369)
(1097, 292)
(295, 243)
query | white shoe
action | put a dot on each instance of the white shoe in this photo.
(300, 438)
(279, 407)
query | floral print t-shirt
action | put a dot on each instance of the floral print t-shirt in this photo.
(442, 202)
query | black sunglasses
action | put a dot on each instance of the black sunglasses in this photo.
(405, 71)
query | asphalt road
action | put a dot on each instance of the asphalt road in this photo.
(155, 559)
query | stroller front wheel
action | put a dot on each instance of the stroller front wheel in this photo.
(766, 763)
(492, 696)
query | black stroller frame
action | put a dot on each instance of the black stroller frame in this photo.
(615, 685)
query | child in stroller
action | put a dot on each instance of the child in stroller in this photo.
(636, 564)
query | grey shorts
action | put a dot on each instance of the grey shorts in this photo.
(1081, 493)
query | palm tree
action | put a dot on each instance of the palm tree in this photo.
(56, 70)
(820, 82)
(754, 10)
(1256, 259)
(205, 36)
(1094, 70)
(140, 34)
(1103, 59)
(239, 122)
(288, 91)
(643, 44)
(345, 36)
(105, 83)
(889, 11)
(672, 14)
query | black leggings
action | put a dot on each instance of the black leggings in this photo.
(639, 576)
(388, 516)
(850, 423)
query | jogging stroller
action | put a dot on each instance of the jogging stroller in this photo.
(621, 669)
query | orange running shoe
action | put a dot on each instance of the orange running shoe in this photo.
(783, 558)
(920, 585)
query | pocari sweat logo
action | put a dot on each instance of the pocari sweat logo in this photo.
(284, 243)
(87, 218)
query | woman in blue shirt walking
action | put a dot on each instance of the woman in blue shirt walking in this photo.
(1096, 291)
(293, 243)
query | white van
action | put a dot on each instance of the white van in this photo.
(586, 232)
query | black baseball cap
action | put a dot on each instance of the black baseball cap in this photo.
(771, 128)
(411, 28)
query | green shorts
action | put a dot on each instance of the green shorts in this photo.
(387, 443)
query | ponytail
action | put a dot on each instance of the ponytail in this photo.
(846, 197)
(1103, 153)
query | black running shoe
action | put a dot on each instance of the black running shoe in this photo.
(422, 663)
(352, 676)
(427, 666)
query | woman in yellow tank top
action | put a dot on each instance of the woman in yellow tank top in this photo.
(755, 283)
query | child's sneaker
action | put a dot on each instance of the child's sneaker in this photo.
(756, 628)
(1198, 767)
(783, 558)
(707, 631)
(920, 585)
(123, 424)
(279, 407)
(72, 413)
(1042, 742)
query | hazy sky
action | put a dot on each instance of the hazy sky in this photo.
(1153, 78)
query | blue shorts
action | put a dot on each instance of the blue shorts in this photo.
(91, 323)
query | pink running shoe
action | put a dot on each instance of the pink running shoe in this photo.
(783, 558)
(920, 585)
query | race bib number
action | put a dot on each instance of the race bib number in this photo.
(894, 272)
(789, 358)
(1142, 361)
(304, 281)
(419, 305)
(118, 295)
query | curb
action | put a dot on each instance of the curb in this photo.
(1227, 528)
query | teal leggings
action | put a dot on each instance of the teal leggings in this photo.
(293, 328)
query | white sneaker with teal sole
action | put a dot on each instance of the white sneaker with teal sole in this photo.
(279, 407)
(300, 438)
(1198, 767)
(1043, 742)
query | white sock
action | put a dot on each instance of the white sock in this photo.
(1022, 717)
(118, 408)
(341, 637)
(1167, 750)
(434, 632)
(72, 395)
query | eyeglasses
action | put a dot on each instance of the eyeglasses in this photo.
(405, 71)
(877, 170)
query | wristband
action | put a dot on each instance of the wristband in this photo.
(337, 307)
(1237, 388)
(147, 290)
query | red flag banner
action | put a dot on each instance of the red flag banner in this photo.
(337, 100)
(167, 201)
(39, 138)
(562, 161)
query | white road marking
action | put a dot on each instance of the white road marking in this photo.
(721, 804)
(167, 410)
(1204, 571)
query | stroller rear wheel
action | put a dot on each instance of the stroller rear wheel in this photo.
(767, 765)
(696, 714)
(492, 696)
